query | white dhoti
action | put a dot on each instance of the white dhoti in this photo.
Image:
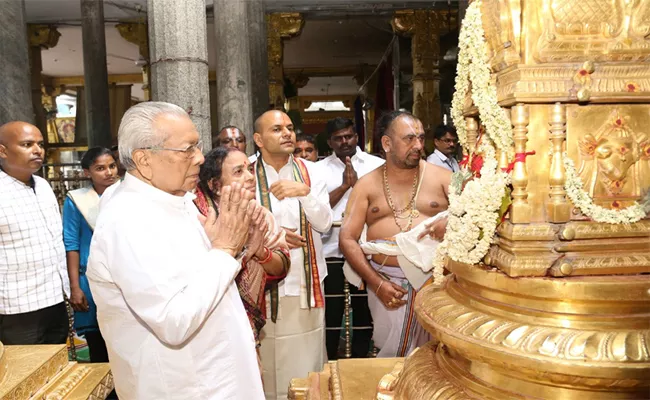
(397, 332)
(291, 347)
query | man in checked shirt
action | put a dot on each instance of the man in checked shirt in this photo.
(33, 274)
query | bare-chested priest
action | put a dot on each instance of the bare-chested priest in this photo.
(401, 205)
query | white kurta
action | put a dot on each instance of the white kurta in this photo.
(295, 345)
(174, 323)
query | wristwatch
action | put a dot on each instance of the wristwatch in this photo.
(240, 256)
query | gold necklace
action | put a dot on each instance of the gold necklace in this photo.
(410, 207)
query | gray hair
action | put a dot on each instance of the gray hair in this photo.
(136, 129)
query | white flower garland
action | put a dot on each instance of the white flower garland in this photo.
(474, 212)
(582, 200)
(473, 65)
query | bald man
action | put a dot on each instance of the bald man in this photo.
(294, 337)
(33, 268)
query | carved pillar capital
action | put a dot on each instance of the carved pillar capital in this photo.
(299, 81)
(136, 33)
(43, 36)
(280, 26)
(423, 27)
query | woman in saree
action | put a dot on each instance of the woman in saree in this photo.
(267, 256)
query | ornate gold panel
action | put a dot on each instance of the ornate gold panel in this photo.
(611, 148)
(598, 30)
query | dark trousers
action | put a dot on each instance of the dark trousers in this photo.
(96, 347)
(335, 308)
(45, 326)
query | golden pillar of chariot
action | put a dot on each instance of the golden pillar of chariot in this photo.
(559, 306)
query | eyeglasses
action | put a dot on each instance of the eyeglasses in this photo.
(189, 151)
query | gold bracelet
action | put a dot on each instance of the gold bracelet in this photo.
(379, 287)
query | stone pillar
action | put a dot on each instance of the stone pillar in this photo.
(98, 117)
(16, 103)
(257, 34)
(136, 33)
(234, 93)
(280, 26)
(423, 26)
(178, 54)
(40, 37)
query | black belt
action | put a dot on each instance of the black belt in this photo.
(335, 259)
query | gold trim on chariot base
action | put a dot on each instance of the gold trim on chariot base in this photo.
(594, 359)
(623, 290)
(527, 232)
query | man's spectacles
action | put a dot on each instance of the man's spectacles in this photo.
(189, 151)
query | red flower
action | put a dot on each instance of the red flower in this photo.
(616, 204)
(631, 87)
(477, 164)
(618, 122)
(583, 72)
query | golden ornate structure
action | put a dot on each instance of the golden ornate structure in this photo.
(40, 37)
(136, 33)
(559, 307)
(280, 26)
(44, 372)
(424, 27)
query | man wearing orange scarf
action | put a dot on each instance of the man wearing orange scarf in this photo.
(297, 195)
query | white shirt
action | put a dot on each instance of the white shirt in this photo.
(33, 269)
(441, 160)
(108, 194)
(286, 212)
(363, 164)
(168, 308)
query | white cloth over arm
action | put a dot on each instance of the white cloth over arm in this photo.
(415, 256)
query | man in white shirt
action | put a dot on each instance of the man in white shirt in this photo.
(33, 272)
(296, 193)
(446, 140)
(167, 304)
(344, 167)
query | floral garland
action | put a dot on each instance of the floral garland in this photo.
(473, 65)
(474, 208)
(582, 200)
(474, 211)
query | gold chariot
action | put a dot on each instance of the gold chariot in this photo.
(560, 306)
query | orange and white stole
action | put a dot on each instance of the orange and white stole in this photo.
(310, 266)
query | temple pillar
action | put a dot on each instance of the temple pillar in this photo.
(257, 41)
(423, 26)
(98, 115)
(234, 92)
(136, 33)
(280, 26)
(40, 37)
(179, 63)
(15, 92)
